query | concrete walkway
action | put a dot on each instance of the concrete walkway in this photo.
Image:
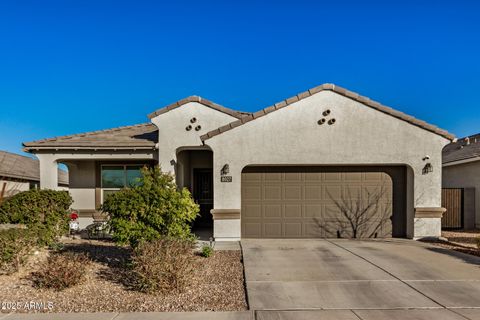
(378, 279)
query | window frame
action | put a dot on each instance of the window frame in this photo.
(124, 166)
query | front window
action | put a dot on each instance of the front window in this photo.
(116, 177)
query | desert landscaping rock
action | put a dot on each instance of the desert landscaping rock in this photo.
(461, 241)
(218, 285)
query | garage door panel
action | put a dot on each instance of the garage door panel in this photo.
(293, 229)
(375, 191)
(292, 192)
(252, 177)
(332, 192)
(332, 228)
(313, 192)
(382, 211)
(374, 176)
(387, 229)
(293, 210)
(332, 176)
(332, 212)
(272, 229)
(352, 176)
(313, 176)
(313, 210)
(313, 204)
(293, 177)
(272, 192)
(272, 211)
(252, 211)
(272, 177)
(313, 230)
(252, 229)
(252, 192)
(351, 193)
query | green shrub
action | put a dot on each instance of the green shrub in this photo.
(207, 251)
(15, 246)
(43, 211)
(61, 271)
(150, 210)
(162, 265)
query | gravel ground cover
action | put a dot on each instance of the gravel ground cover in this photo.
(462, 241)
(218, 285)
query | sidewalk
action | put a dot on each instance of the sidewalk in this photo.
(240, 315)
(379, 314)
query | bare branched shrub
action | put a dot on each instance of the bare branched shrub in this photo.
(363, 216)
(162, 265)
(61, 271)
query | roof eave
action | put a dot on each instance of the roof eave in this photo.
(339, 90)
(461, 161)
(29, 148)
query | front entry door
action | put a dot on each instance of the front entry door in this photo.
(203, 195)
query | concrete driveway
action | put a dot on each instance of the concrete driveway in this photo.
(352, 279)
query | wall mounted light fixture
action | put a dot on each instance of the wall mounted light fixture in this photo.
(225, 169)
(427, 168)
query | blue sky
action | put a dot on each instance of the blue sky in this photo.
(73, 66)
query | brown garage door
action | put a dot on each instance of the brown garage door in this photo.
(310, 202)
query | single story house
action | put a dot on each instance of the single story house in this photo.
(20, 173)
(324, 163)
(461, 171)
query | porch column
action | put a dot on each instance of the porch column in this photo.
(48, 171)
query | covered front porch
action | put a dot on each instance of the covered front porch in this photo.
(93, 175)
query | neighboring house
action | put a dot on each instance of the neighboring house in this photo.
(20, 173)
(461, 169)
(279, 172)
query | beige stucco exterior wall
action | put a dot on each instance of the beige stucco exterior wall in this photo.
(172, 134)
(82, 184)
(465, 175)
(360, 136)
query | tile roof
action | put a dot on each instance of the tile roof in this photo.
(205, 102)
(21, 167)
(331, 87)
(143, 135)
(463, 149)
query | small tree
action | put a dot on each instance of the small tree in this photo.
(154, 208)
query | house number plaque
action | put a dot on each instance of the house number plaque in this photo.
(226, 179)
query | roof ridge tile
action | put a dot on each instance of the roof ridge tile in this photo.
(194, 98)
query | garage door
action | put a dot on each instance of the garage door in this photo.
(310, 202)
